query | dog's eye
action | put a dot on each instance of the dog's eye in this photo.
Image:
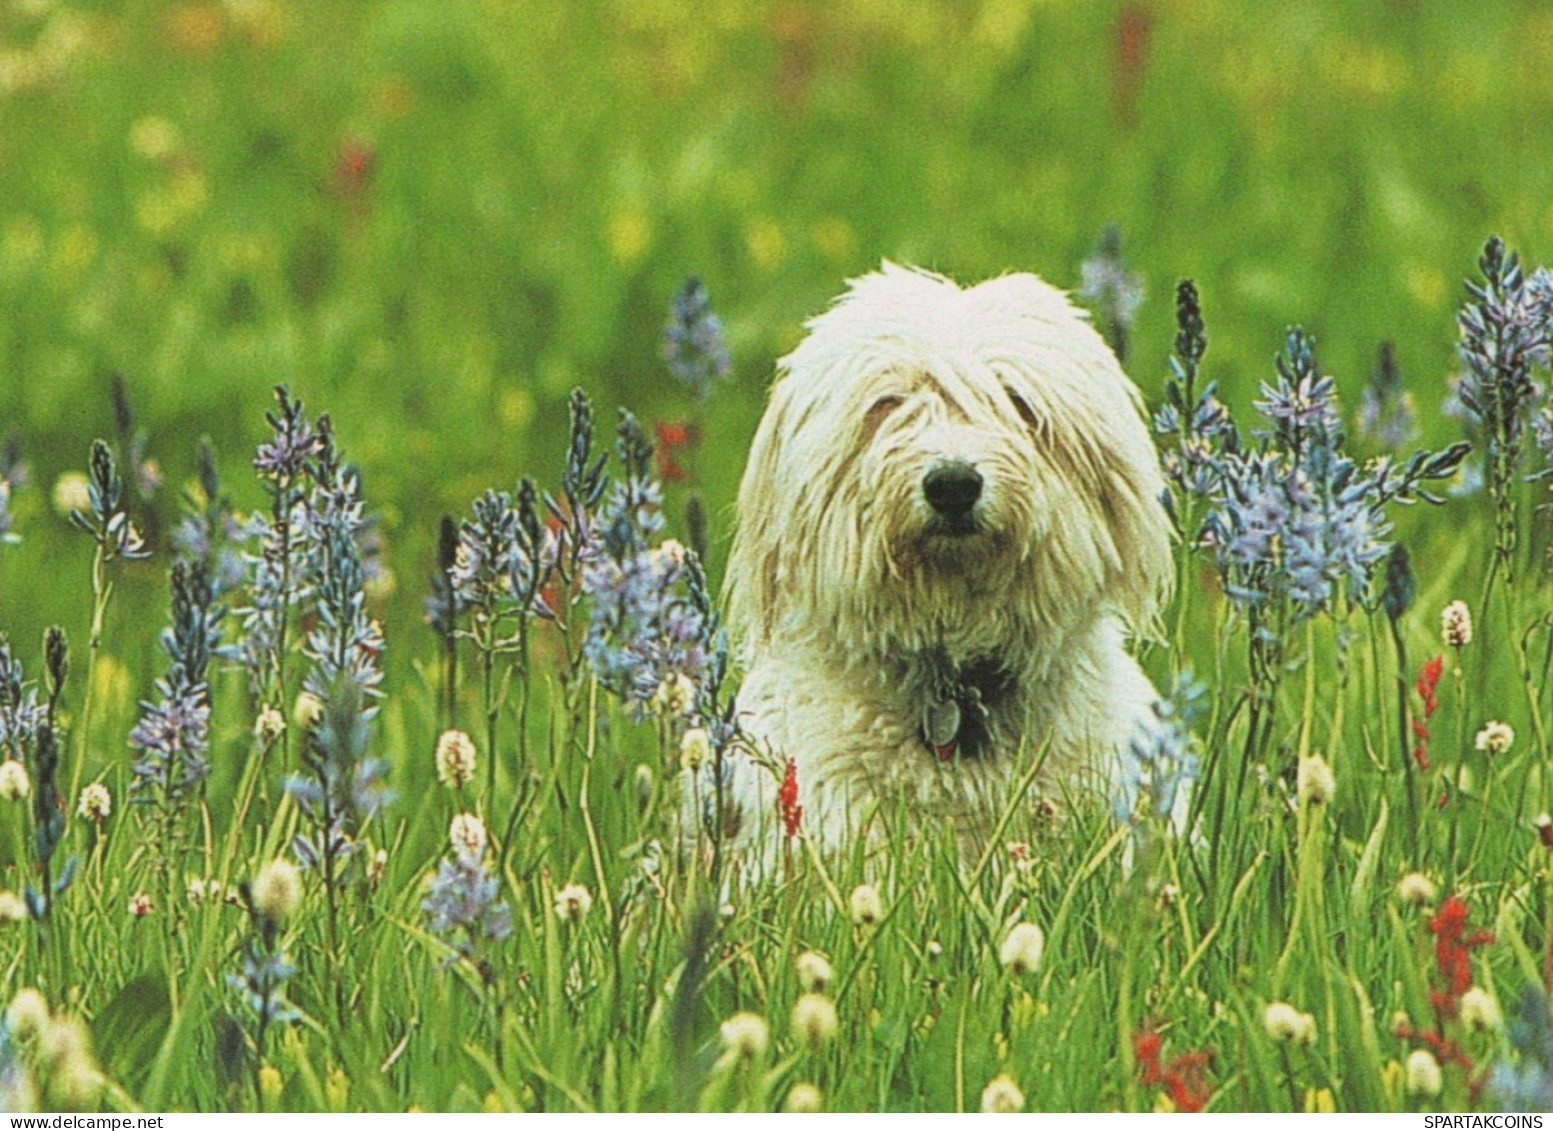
(882, 408)
(1022, 407)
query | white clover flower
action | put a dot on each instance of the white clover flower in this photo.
(1001, 1096)
(95, 802)
(378, 867)
(1456, 625)
(455, 759)
(573, 902)
(1314, 781)
(13, 908)
(1479, 1010)
(1495, 737)
(814, 1020)
(866, 906)
(14, 782)
(746, 1035)
(1423, 1075)
(1022, 949)
(1416, 890)
(140, 905)
(695, 749)
(467, 835)
(814, 971)
(276, 890)
(1285, 1023)
(803, 1098)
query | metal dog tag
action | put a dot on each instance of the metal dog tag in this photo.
(941, 722)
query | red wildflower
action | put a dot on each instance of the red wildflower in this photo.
(674, 436)
(353, 172)
(1452, 954)
(1428, 682)
(1185, 1078)
(787, 800)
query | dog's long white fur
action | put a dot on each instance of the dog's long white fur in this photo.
(841, 594)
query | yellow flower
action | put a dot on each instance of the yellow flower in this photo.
(70, 493)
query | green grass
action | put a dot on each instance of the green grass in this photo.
(541, 179)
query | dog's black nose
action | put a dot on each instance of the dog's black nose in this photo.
(952, 490)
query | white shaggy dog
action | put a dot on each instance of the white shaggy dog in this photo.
(950, 514)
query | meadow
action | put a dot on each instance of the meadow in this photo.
(344, 746)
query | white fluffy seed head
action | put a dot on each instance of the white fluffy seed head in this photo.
(746, 1035)
(95, 802)
(1001, 1096)
(573, 902)
(867, 909)
(803, 1098)
(1423, 1073)
(814, 1020)
(13, 909)
(14, 782)
(695, 749)
(1416, 890)
(1285, 1023)
(28, 1014)
(269, 726)
(675, 697)
(814, 971)
(1022, 949)
(1315, 782)
(1479, 1010)
(455, 759)
(276, 891)
(1495, 737)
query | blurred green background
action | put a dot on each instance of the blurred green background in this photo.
(433, 219)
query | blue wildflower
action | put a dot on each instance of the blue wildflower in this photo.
(107, 521)
(1387, 413)
(693, 343)
(1525, 1083)
(462, 897)
(1115, 292)
(1161, 760)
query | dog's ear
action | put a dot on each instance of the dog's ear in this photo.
(755, 562)
(1132, 506)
